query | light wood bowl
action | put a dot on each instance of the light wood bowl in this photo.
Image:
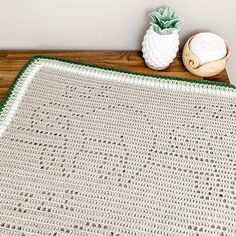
(209, 69)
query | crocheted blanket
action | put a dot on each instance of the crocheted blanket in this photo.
(92, 151)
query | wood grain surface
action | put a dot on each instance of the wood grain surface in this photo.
(11, 62)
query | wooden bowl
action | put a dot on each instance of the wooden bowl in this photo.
(209, 69)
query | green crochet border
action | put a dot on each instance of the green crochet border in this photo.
(214, 83)
(33, 59)
(14, 83)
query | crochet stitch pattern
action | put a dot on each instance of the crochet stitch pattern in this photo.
(86, 150)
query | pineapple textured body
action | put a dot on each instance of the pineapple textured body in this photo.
(159, 50)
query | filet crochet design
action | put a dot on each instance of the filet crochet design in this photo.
(90, 151)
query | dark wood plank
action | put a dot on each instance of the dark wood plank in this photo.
(12, 61)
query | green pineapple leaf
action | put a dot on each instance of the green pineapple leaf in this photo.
(164, 21)
(166, 14)
(172, 23)
(155, 18)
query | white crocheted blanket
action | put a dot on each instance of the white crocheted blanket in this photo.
(92, 151)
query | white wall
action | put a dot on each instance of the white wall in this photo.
(106, 24)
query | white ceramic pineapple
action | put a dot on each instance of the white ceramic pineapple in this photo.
(161, 41)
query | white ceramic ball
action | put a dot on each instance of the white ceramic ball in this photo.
(208, 47)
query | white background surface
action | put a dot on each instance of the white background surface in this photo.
(107, 24)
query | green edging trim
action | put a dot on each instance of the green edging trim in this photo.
(206, 82)
(33, 59)
(14, 83)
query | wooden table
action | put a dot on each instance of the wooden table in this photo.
(12, 61)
